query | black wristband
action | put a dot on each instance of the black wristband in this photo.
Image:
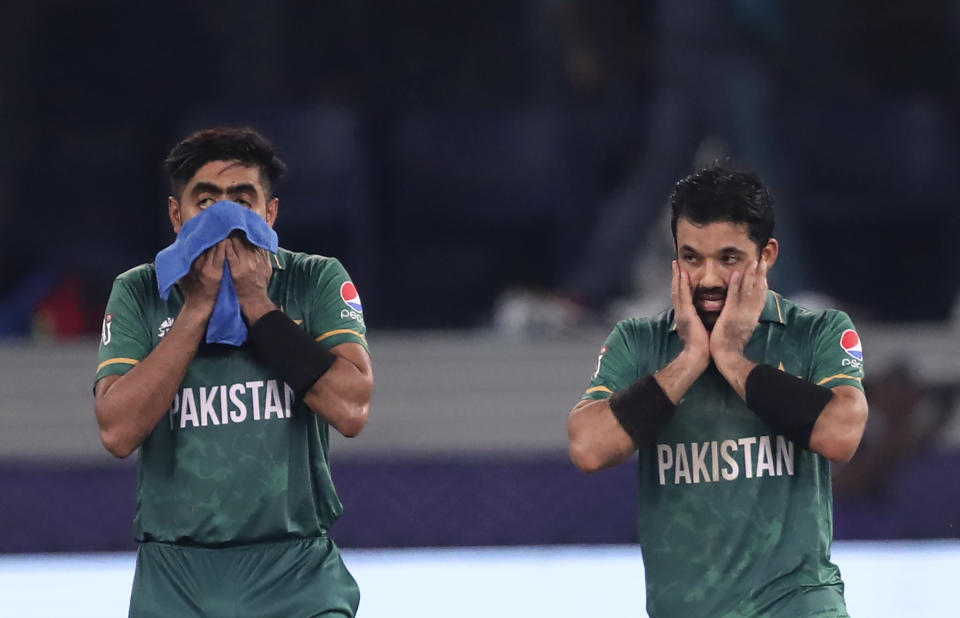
(289, 350)
(642, 409)
(787, 403)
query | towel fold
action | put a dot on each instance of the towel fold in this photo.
(212, 225)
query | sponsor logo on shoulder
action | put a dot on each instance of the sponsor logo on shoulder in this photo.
(850, 342)
(348, 292)
(164, 327)
(349, 295)
(105, 329)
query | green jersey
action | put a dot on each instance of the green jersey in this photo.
(239, 457)
(736, 520)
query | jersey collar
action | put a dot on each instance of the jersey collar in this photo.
(279, 259)
(772, 311)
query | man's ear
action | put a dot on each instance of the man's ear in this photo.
(272, 207)
(770, 252)
(173, 209)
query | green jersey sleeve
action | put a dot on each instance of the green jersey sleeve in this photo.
(336, 313)
(124, 338)
(837, 352)
(616, 365)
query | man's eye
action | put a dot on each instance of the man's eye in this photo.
(203, 203)
(731, 259)
(243, 202)
(690, 259)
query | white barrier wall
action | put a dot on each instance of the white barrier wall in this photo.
(441, 392)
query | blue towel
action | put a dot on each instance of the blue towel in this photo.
(197, 235)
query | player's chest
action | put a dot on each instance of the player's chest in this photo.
(769, 345)
(162, 315)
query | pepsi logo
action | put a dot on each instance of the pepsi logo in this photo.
(850, 342)
(348, 292)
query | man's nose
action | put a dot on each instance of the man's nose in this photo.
(712, 275)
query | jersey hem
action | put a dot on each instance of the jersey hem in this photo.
(280, 540)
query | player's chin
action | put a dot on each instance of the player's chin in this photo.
(709, 318)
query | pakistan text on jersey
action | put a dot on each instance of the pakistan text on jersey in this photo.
(726, 460)
(257, 400)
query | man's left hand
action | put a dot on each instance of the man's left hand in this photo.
(251, 270)
(746, 297)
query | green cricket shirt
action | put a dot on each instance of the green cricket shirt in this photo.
(238, 458)
(735, 520)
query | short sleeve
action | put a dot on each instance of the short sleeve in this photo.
(124, 339)
(837, 353)
(336, 313)
(616, 366)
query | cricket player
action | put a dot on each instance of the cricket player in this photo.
(234, 497)
(736, 401)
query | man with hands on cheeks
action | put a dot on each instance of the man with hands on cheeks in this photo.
(736, 400)
(234, 496)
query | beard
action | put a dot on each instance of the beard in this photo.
(703, 295)
(709, 318)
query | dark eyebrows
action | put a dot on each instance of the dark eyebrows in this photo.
(244, 187)
(208, 187)
(725, 251)
(732, 250)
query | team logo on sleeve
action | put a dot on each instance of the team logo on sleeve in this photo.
(105, 329)
(850, 342)
(164, 327)
(603, 351)
(348, 292)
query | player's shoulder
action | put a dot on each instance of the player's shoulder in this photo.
(143, 276)
(299, 263)
(645, 328)
(797, 316)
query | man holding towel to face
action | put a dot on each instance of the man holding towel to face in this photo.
(225, 363)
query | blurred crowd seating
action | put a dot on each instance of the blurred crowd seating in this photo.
(446, 153)
(444, 148)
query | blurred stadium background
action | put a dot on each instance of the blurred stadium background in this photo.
(455, 156)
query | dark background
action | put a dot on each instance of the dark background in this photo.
(447, 150)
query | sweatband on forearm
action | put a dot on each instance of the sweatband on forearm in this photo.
(642, 409)
(289, 350)
(787, 403)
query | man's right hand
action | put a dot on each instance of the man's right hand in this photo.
(128, 407)
(202, 284)
(696, 339)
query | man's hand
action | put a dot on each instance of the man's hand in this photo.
(201, 285)
(251, 270)
(696, 339)
(746, 296)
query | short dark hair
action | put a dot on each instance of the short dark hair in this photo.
(723, 193)
(242, 144)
